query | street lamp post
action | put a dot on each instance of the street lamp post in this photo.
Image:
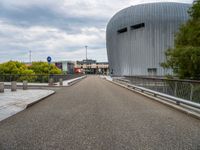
(86, 47)
(30, 61)
(86, 51)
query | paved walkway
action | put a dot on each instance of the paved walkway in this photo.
(14, 102)
(97, 115)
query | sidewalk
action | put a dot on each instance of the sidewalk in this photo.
(14, 102)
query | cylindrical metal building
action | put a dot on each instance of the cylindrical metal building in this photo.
(138, 36)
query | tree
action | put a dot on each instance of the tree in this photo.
(14, 70)
(14, 67)
(44, 68)
(184, 59)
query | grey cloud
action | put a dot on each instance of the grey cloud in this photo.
(60, 28)
(46, 16)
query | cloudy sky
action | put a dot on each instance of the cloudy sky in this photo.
(57, 28)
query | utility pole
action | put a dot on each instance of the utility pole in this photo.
(86, 62)
(86, 51)
(30, 57)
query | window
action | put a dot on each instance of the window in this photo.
(137, 26)
(152, 71)
(122, 30)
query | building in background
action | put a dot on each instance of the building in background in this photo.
(91, 67)
(86, 66)
(67, 67)
(137, 37)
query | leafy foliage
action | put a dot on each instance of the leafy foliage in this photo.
(44, 68)
(184, 59)
(14, 67)
(17, 68)
(195, 10)
(16, 71)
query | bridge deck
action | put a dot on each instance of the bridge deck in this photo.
(95, 114)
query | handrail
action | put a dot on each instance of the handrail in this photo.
(177, 100)
(163, 79)
(155, 94)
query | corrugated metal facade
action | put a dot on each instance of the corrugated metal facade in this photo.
(141, 48)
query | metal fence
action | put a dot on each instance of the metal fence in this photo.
(38, 78)
(185, 89)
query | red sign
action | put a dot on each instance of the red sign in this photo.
(78, 70)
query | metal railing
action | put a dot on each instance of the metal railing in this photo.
(184, 89)
(37, 78)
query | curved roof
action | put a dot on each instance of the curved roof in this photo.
(150, 12)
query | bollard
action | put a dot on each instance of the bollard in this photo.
(25, 85)
(1, 87)
(50, 81)
(61, 81)
(14, 86)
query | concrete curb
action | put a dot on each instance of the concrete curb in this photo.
(76, 80)
(56, 85)
(72, 82)
(33, 103)
(162, 101)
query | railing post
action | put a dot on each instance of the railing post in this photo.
(13, 86)
(155, 85)
(191, 91)
(25, 85)
(50, 81)
(175, 89)
(61, 82)
(1, 87)
(164, 86)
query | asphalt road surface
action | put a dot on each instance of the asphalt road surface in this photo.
(95, 114)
